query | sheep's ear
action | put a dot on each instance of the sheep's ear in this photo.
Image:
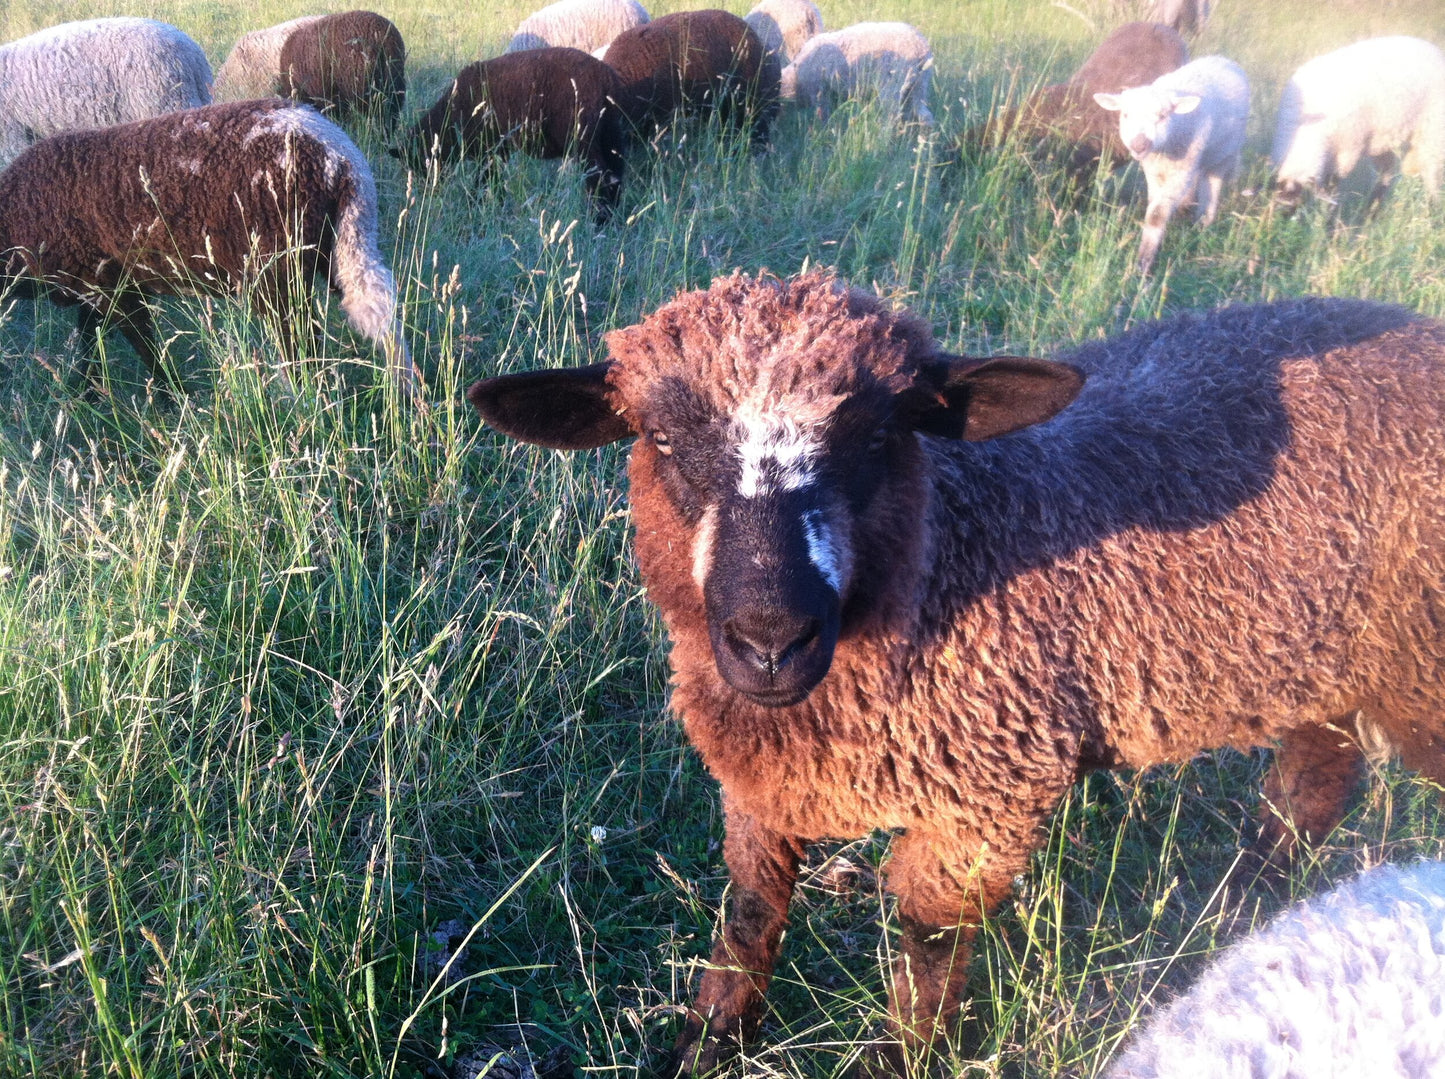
(1186, 103)
(971, 399)
(1110, 102)
(562, 409)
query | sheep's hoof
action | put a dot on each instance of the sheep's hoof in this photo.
(880, 1059)
(702, 1049)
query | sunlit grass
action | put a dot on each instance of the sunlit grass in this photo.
(293, 674)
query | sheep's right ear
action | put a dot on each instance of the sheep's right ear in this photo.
(973, 399)
(1109, 102)
(562, 409)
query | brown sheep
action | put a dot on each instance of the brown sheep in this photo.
(254, 195)
(353, 62)
(548, 102)
(696, 61)
(1234, 535)
(1063, 121)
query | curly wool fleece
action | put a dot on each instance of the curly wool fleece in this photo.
(1350, 984)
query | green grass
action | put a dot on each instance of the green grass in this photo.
(292, 675)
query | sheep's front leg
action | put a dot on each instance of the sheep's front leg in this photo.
(763, 865)
(1314, 772)
(942, 899)
(1170, 185)
(1207, 198)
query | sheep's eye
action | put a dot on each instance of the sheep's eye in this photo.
(878, 441)
(662, 442)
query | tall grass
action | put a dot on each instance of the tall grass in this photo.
(300, 688)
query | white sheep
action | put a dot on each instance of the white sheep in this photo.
(784, 26)
(1351, 983)
(589, 25)
(1186, 130)
(1383, 98)
(891, 58)
(1182, 16)
(94, 74)
(253, 69)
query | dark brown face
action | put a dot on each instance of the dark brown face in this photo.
(773, 499)
(786, 511)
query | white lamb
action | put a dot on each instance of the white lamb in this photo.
(96, 73)
(1350, 984)
(253, 69)
(589, 25)
(1186, 130)
(891, 58)
(1383, 99)
(784, 26)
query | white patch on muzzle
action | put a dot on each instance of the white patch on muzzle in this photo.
(823, 550)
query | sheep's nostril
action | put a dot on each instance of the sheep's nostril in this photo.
(768, 640)
(1140, 144)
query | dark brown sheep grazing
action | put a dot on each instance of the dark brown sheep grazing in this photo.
(253, 195)
(900, 595)
(695, 62)
(550, 103)
(353, 62)
(1063, 122)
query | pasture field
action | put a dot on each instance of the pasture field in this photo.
(302, 688)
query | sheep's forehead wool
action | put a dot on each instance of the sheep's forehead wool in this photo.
(771, 361)
(764, 353)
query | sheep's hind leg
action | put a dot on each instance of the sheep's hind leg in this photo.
(1315, 771)
(763, 865)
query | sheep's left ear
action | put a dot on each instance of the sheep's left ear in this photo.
(562, 409)
(1186, 103)
(971, 399)
(1109, 102)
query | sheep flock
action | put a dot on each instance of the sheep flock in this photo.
(904, 590)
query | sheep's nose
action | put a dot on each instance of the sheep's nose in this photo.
(767, 639)
(1140, 145)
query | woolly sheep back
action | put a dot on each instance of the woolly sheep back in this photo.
(891, 59)
(784, 25)
(548, 102)
(1350, 983)
(202, 199)
(693, 62)
(253, 67)
(94, 74)
(1378, 99)
(1181, 16)
(588, 25)
(350, 63)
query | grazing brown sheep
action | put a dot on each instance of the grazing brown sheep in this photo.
(349, 63)
(1234, 536)
(549, 102)
(1065, 123)
(693, 62)
(261, 195)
